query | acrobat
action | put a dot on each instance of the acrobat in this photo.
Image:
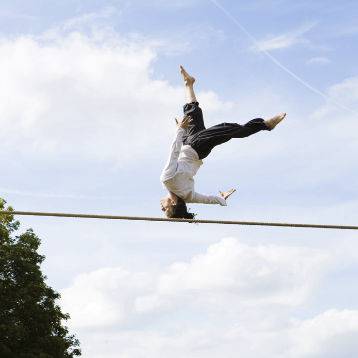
(194, 142)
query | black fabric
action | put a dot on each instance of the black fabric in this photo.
(203, 140)
(197, 121)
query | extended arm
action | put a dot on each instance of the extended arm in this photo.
(212, 199)
(172, 163)
(207, 199)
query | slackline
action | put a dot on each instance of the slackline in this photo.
(144, 218)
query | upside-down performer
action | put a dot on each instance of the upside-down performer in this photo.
(193, 143)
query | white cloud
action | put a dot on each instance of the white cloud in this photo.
(232, 300)
(345, 91)
(338, 121)
(228, 271)
(104, 297)
(76, 96)
(331, 334)
(323, 144)
(246, 290)
(86, 97)
(285, 40)
(254, 275)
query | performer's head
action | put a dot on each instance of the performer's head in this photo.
(175, 208)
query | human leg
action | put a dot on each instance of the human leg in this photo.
(196, 123)
(189, 85)
(191, 108)
(204, 141)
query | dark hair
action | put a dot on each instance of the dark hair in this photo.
(180, 211)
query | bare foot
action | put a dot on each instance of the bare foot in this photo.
(274, 121)
(188, 80)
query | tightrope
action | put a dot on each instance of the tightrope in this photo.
(194, 221)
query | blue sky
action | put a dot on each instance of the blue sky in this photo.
(89, 93)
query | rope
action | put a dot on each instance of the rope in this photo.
(144, 218)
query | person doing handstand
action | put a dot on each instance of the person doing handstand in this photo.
(193, 142)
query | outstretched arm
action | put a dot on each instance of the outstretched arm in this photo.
(207, 199)
(172, 162)
(212, 199)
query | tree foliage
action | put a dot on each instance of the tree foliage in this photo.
(30, 320)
